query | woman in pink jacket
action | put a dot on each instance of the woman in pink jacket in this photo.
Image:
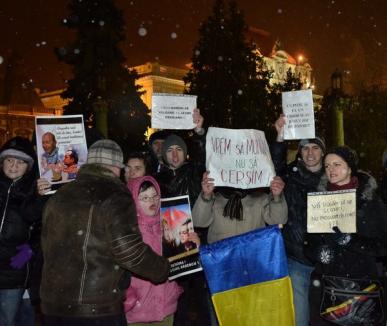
(147, 303)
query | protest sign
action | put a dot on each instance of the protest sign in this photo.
(61, 147)
(176, 221)
(332, 208)
(298, 109)
(173, 111)
(238, 158)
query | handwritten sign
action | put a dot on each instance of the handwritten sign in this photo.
(298, 109)
(332, 208)
(238, 158)
(173, 111)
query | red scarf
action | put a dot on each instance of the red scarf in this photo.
(352, 184)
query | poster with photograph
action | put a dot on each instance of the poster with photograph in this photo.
(61, 147)
(332, 208)
(238, 158)
(173, 111)
(178, 244)
(298, 109)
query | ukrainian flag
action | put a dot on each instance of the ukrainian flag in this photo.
(248, 279)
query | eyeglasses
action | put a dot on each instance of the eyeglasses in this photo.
(147, 199)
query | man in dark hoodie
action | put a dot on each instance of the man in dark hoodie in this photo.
(301, 177)
(90, 240)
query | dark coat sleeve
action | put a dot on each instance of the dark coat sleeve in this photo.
(278, 155)
(127, 246)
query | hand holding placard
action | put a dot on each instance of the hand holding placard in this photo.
(207, 186)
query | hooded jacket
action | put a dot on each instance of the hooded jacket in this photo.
(353, 255)
(20, 209)
(90, 237)
(147, 302)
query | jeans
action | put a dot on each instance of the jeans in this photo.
(300, 277)
(26, 314)
(10, 300)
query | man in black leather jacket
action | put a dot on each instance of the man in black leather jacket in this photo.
(301, 177)
(90, 241)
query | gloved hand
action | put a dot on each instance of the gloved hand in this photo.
(342, 239)
(22, 257)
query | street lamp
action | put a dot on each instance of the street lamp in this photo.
(337, 82)
(340, 101)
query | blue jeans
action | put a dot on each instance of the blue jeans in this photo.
(300, 277)
(26, 314)
(10, 300)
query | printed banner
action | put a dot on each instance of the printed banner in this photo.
(298, 109)
(61, 147)
(173, 111)
(238, 158)
(332, 208)
(176, 220)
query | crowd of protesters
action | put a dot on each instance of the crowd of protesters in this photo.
(91, 254)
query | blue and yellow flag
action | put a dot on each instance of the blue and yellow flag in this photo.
(248, 279)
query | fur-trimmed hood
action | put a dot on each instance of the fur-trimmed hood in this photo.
(367, 185)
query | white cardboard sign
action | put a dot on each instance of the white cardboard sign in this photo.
(298, 109)
(238, 158)
(173, 111)
(332, 208)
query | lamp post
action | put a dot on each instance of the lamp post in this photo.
(340, 102)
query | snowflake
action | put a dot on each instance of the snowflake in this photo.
(142, 31)
(326, 255)
(344, 239)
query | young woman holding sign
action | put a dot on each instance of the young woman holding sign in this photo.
(347, 263)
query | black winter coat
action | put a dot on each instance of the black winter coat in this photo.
(186, 180)
(353, 255)
(299, 181)
(20, 209)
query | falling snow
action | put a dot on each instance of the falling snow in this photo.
(142, 31)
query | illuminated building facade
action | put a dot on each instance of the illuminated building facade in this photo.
(17, 114)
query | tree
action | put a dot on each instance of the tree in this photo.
(227, 74)
(102, 89)
(365, 127)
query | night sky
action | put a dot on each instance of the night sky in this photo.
(351, 35)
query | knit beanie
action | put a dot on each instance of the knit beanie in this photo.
(107, 152)
(347, 154)
(173, 140)
(19, 148)
(318, 141)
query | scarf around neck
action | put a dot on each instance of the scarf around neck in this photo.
(352, 184)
